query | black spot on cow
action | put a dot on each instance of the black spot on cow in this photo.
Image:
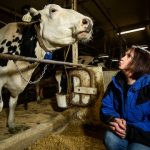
(16, 39)
(3, 62)
(19, 41)
(27, 46)
(3, 42)
(12, 49)
(18, 31)
(13, 36)
(8, 43)
(16, 53)
(1, 49)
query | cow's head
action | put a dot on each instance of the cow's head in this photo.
(60, 27)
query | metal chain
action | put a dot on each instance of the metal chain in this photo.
(31, 82)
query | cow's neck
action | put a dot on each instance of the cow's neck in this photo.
(39, 38)
(46, 46)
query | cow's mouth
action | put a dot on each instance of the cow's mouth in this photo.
(84, 35)
(83, 32)
(86, 31)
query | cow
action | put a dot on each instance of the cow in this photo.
(50, 28)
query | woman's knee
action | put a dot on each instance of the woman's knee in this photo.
(114, 142)
(110, 140)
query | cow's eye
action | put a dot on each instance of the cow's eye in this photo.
(53, 10)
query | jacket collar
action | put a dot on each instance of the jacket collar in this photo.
(120, 81)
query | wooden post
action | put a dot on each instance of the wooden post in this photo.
(75, 45)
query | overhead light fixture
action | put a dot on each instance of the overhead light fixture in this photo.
(130, 31)
(144, 46)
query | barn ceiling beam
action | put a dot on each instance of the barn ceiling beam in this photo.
(115, 27)
(10, 11)
(90, 14)
(4, 9)
(2, 22)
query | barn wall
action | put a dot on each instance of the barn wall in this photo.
(108, 76)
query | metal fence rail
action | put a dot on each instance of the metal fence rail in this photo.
(30, 59)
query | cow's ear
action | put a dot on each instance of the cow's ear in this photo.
(31, 15)
(36, 16)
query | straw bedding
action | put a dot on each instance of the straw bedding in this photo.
(77, 136)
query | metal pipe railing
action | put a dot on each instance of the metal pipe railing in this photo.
(30, 59)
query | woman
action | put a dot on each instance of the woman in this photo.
(126, 104)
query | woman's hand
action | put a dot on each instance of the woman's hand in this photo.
(118, 126)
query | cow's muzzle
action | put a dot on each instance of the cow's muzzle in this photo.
(87, 24)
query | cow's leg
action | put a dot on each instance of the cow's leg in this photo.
(11, 116)
(1, 100)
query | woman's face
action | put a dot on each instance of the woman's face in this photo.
(125, 62)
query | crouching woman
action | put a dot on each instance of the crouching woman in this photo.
(125, 106)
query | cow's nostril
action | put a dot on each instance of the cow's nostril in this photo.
(85, 21)
(87, 24)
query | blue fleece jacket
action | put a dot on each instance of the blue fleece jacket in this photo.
(132, 104)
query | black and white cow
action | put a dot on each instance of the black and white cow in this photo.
(57, 27)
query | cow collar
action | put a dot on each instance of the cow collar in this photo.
(48, 55)
(40, 40)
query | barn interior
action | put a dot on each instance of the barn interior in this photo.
(110, 18)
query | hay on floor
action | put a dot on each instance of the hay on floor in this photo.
(77, 136)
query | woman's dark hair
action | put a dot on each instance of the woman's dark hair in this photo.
(141, 62)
